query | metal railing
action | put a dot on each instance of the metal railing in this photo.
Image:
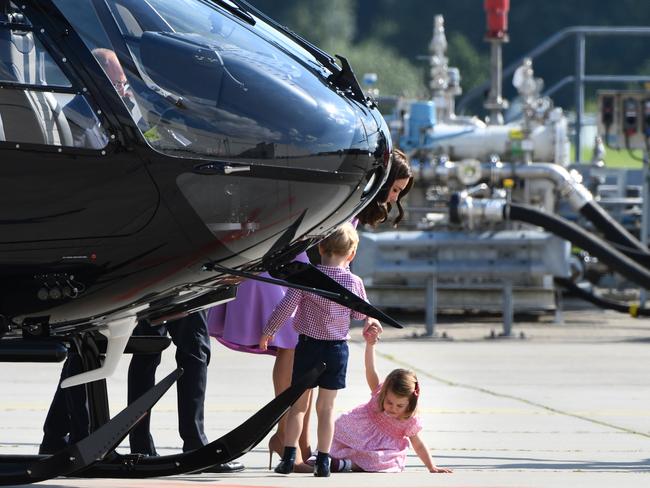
(579, 78)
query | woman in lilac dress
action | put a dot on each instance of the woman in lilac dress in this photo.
(238, 325)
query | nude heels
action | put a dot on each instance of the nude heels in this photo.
(275, 445)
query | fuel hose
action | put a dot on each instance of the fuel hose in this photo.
(606, 253)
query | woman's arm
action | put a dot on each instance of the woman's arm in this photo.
(422, 451)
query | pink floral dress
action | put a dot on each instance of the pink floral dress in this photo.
(373, 440)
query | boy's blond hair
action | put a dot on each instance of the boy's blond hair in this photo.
(341, 242)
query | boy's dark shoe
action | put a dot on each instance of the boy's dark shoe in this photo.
(322, 465)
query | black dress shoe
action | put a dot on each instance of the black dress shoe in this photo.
(231, 467)
(322, 469)
(285, 466)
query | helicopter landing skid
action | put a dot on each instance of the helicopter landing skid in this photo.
(94, 457)
(234, 444)
(18, 470)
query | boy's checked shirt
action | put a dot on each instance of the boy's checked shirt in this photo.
(318, 317)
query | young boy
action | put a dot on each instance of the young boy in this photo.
(323, 327)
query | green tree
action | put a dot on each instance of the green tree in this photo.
(396, 75)
(473, 67)
(326, 23)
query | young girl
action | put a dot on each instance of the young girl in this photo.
(375, 436)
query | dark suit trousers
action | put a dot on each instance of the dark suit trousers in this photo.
(190, 335)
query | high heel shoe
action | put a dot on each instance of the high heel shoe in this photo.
(306, 452)
(275, 445)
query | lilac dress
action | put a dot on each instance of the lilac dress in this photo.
(238, 324)
(373, 440)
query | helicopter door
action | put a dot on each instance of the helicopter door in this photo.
(59, 177)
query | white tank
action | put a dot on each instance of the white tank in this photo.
(472, 138)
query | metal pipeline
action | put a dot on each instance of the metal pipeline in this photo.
(630, 308)
(568, 187)
(472, 171)
(495, 210)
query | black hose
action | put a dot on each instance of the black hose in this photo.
(612, 230)
(632, 309)
(639, 256)
(594, 245)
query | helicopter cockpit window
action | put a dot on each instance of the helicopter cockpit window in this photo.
(209, 84)
(35, 103)
(23, 59)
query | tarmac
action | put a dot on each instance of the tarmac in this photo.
(557, 405)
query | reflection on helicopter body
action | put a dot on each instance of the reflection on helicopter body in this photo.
(224, 139)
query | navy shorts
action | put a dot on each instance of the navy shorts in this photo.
(312, 352)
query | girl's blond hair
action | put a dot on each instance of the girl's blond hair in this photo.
(404, 384)
(341, 242)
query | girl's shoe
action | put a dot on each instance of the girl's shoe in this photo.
(341, 465)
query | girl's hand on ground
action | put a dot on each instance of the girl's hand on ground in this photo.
(436, 469)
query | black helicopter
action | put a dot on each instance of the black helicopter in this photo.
(229, 146)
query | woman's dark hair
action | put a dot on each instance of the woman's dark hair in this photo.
(378, 209)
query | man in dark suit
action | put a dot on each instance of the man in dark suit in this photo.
(190, 335)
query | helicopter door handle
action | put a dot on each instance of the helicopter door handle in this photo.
(235, 169)
(219, 168)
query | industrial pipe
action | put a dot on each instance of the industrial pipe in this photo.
(633, 309)
(494, 210)
(595, 246)
(579, 197)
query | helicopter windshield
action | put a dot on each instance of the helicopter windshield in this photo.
(208, 84)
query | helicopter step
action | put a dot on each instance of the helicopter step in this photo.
(20, 350)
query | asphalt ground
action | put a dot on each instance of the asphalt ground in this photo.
(557, 405)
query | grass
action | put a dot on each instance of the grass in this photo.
(616, 158)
